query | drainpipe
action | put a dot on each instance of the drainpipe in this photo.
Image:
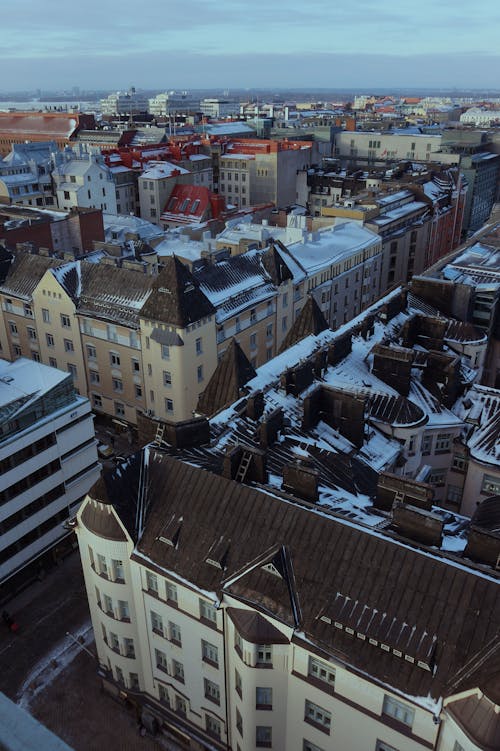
(226, 681)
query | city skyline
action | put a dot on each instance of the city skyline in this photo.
(203, 44)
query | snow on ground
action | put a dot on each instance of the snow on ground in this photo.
(53, 664)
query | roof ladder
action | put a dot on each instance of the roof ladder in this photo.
(160, 432)
(243, 468)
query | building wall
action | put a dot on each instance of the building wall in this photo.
(95, 188)
(69, 463)
(173, 380)
(384, 146)
(354, 702)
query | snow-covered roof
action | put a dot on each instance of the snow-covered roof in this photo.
(332, 245)
(161, 170)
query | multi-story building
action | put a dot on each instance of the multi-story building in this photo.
(218, 109)
(227, 570)
(124, 103)
(262, 171)
(173, 102)
(365, 147)
(61, 127)
(482, 172)
(48, 460)
(83, 179)
(25, 174)
(156, 184)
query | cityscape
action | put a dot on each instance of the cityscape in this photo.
(250, 378)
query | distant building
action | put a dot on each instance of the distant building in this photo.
(124, 103)
(219, 108)
(60, 127)
(48, 459)
(25, 174)
(172, 103)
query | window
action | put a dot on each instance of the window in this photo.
(163, 694)
(207, 611)
(239, 723)
(117, 568)
(31, 334)
(212, 691)
(138, 391)
(50, 340)
(199, 373)
(152, 583)
(490, 485)
(161, 660)
(114, 359)
(136, 368)
(72, 369)
(209, 652)
(237, 324)
(443, 442)
(238, 642)
(129, 647)
(212, 726)
(156, 623)
(94, 376)
(167, 378)
(180, 705)
(65, 321)
(264, 654)
(169, 405)
(108, 605)
(317, 716)
(117, 384)
(171, 592)
(454, 494)
(237, 683)
(13, 327)
(308, 746)
(123, 610)
(17, 351)
(321, 671)
(165, 352)
(437, 477)
(178, 670)
(263, 698)
(253, 316)
(174, 633)
(263, 736)
(114, 642)
(426, 444)
(398, 711)
(253, 341)
(91, 352)
(102, 567)
(45, 315)
(97, 400)
(381, 746)
(119, 409)
(68, 345)
(134, 681)
(66, 198)
(269, 330)
(199, 348)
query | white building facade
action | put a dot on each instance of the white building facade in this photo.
(48, 460)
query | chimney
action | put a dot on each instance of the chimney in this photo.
(301, 481)
(417, 524)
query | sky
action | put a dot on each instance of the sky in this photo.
(174, 44)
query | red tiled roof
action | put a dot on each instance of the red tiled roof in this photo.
(187, 201)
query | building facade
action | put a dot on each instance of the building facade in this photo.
(48, 460)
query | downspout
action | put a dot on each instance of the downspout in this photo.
(226, 681)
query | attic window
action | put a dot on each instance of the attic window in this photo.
(194, 207)
(171, 532)
(271, 568)
(171, 203)
(184, 205)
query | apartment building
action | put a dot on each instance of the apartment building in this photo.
(124, 103)
(83, 179)
(173, 102)
(218, 109)
(48, 460)
(372, 146)
(261, 171)
(156, 184)
(25, 174)
(227, 577)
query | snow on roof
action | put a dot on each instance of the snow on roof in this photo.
(180, 245)
(394, 214)
(121, 224)
(332, 245)
(160, 170)
(25, 378)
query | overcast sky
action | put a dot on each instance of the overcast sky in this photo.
(167, 44)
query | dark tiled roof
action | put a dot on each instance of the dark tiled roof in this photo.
(458, 607)
(176, 297)
(275, 265)
(310, 321)
(254, 628)
(233, 371)
(102, 521)
(113, 294)
(395, 410)
(25, 273)
(479, 719)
